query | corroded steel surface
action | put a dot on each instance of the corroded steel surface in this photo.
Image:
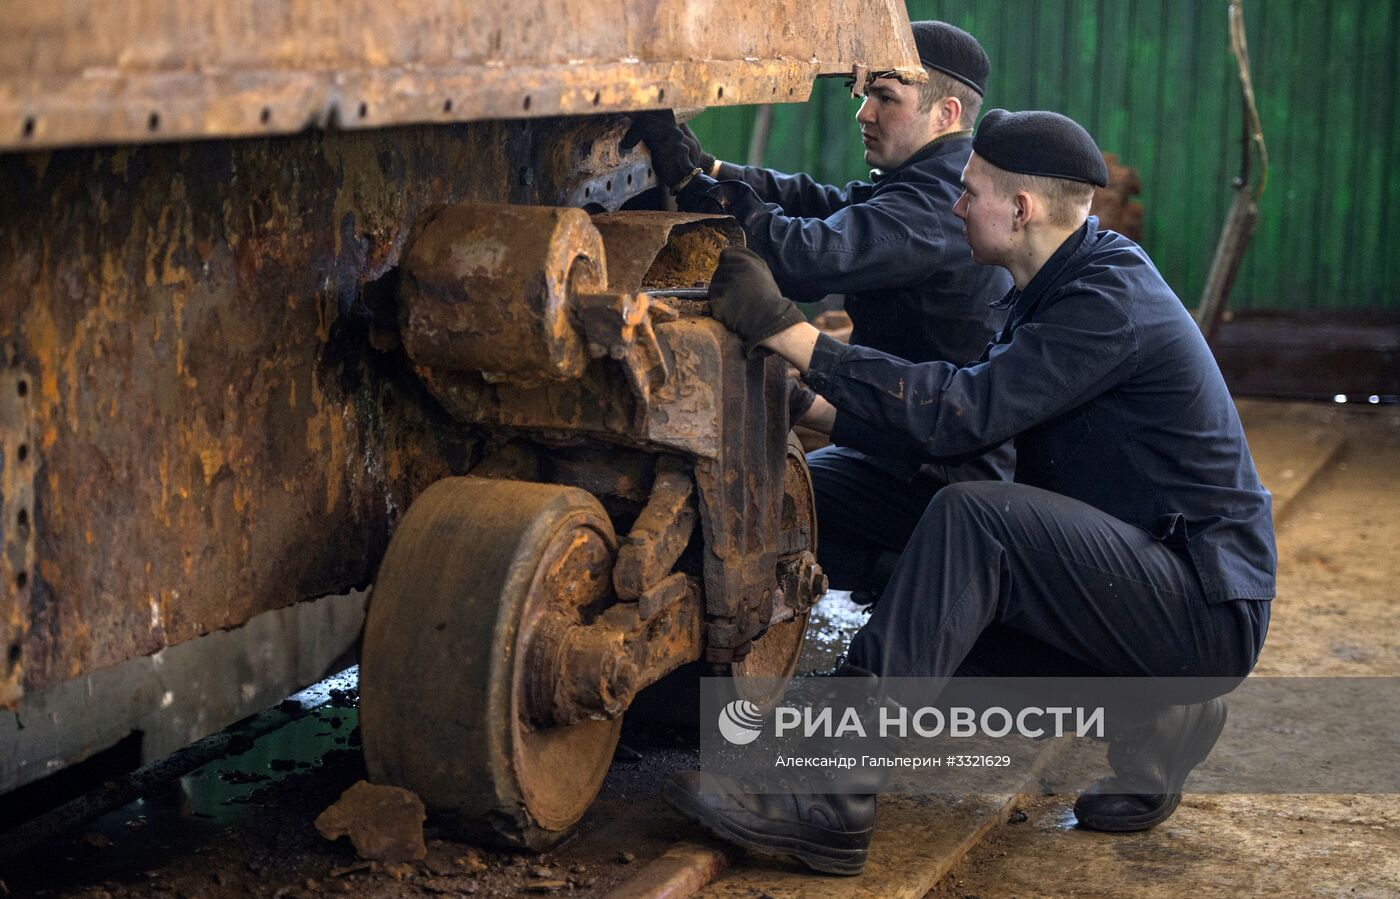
(741, 497)
(492, 289)
(223, 420)
(660, 533)
(762, 674)
(717, 407)
(156, 70)
(18, 462)
(447, 285)
(649, 250)
(580, 672)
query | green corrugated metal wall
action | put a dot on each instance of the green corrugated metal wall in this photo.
(1153, 81)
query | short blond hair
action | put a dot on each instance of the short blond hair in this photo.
(940, 85)
(1066, 202)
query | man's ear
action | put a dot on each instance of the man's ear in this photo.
(949, 113)
(1023, 206)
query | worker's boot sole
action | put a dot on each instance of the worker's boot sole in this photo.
(826, 859)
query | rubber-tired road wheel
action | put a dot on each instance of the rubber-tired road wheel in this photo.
(471, 569)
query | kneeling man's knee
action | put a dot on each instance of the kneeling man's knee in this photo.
(971, 497)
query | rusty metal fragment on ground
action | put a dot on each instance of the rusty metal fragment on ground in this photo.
(384, 824)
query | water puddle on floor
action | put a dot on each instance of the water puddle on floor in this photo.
(834, 620)
(182, 815)
(221, 790)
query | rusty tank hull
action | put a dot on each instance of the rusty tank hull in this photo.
(210, 412)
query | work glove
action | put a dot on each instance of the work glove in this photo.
(670, 156)
(800, 398)
(705, 162)
(746, 300)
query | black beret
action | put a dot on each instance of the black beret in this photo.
(1039, 143)
(952, 51)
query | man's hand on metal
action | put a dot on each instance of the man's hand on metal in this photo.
(670, 155)
(746, 300)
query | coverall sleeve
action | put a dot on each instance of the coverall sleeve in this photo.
(1081, 346)
(891, 240)
(794, 194)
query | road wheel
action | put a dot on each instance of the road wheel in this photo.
(472, 568)
(773, 657)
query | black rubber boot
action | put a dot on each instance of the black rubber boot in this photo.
(826, 831)
(1150, 762)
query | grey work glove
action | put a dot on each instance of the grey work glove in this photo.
(800, 398)
(670, 157)
(746, 300)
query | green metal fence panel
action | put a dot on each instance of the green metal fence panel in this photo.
(1154, 82)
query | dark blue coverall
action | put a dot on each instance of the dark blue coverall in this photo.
(1136, 539)
(897, 251)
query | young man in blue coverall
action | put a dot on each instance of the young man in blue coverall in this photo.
(895, 249)
(1136, 540)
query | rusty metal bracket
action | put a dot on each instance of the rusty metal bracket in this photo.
(667, 592)
(618, 327)
(18, 462)
(593, 672)
(610, 189)
(660, 533)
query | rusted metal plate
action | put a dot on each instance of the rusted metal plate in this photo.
(18, 462)
(741, 497)
(180, 694)
(157, 70)
(222, 418)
